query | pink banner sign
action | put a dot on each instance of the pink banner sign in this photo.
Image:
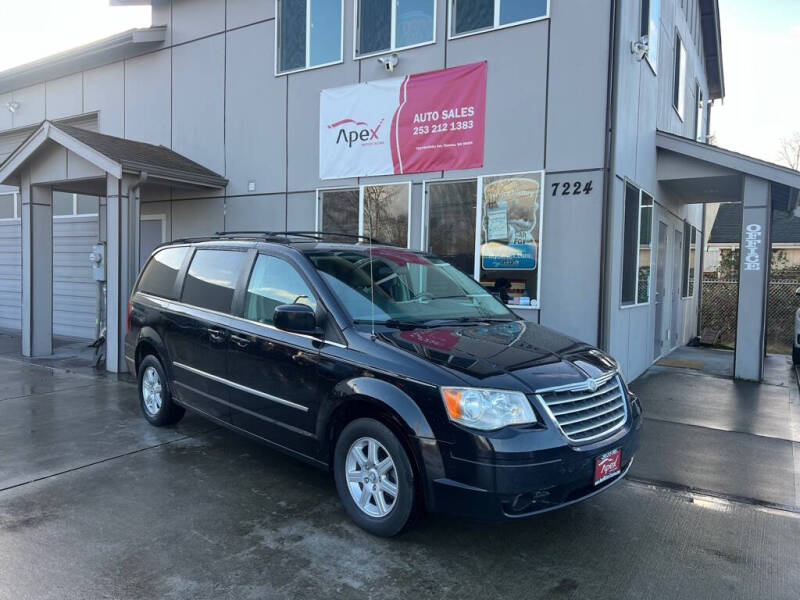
(423, 122)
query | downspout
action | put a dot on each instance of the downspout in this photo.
(603, 325)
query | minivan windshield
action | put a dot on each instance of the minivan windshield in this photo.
(407, 287)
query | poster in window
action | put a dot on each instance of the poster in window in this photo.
(511, 222)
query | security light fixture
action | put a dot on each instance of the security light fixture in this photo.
(12, 106)
(640, 47)
(389, 62)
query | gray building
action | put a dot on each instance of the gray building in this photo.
(210, 122)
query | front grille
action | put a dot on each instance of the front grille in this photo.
(583, 415)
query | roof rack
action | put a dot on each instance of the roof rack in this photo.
(281, 236)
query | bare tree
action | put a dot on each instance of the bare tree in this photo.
(789, 152)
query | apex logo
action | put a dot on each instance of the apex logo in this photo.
(352, 131)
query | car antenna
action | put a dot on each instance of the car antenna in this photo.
(371, 276)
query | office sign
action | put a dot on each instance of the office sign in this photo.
(423, 122)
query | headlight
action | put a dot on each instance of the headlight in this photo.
(487, 409)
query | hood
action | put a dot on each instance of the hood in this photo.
(516, 355)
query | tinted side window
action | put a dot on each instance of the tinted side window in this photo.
(274, 282)
(160, 273)
(211, 280)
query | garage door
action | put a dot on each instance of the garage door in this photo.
(10, 264)
(74, 291)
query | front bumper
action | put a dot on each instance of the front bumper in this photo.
(545, 480)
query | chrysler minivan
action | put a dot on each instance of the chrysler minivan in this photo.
(414, 386)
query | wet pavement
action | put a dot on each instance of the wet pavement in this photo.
(94, 503)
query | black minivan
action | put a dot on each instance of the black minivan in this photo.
(416, 387)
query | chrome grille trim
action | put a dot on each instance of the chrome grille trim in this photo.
(583, 416)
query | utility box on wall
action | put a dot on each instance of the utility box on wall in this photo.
(97, 258)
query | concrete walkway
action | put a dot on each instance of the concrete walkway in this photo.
(94, 503)
(713, 435)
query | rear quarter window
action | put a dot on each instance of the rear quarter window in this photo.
(161, 272)
(211, 280)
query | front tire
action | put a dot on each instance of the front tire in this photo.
(374, 478)
(155, 398)
(796, 355)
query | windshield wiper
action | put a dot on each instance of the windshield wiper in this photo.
(393, 323)
(476, 319)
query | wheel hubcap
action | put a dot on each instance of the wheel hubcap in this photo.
(151, 391)
(371, 477)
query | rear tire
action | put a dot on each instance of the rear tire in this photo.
(155, 398)
(374, 478)
(796, 355)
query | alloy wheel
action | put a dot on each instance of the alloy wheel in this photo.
(371, 477)
(151, 391)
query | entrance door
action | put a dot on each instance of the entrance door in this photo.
(661, 268)
(677, 272)
(151, 234)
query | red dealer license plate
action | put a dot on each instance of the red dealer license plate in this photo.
(607, 466)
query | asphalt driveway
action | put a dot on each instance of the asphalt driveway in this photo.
(94, 503)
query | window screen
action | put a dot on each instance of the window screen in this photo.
(211, 280)
(374, 26)
(475, 15)
(274, 282)
(678, 92)
(292, 34)
(630, 245)
(160, 273)
(651, 17)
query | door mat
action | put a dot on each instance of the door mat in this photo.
(682, 363)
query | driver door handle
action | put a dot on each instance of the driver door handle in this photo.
(240, 341)
(215, 334)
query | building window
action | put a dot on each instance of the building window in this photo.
(679, 71)
(637, 243)
(377, 211)
(8, 206)
(386, 25)
(338, 211)
(309, 34)
(66, 204)
(699, 134)
(472, 16)
(651, 17)
(689, 257)
(449, 225)
(510, 227)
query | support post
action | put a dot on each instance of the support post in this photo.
(753, 280)
(121, 221)
(37, 268)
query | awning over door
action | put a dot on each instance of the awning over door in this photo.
(691, 172)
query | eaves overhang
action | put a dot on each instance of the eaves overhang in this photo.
(712, 48)
(102, 52)
(733, 161)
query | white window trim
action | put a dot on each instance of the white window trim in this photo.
(15, 197)
(393, 33)
(277, 71)
(681, 80)
(652, 62)
(636, 303)
(360, 188)
(495, 27)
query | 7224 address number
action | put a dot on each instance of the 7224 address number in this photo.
(572, 188)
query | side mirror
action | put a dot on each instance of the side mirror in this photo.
(798, 291)
(297, 318)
